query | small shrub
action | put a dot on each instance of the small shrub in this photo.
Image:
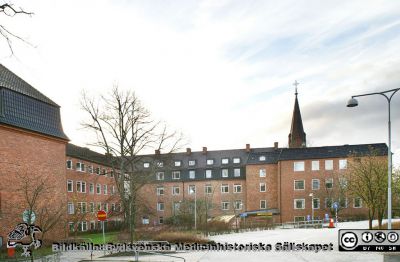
(180, 237)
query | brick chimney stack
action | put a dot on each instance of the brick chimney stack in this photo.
(188, 151)
(204, 150)
(248, 148)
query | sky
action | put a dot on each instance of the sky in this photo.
(221, 72)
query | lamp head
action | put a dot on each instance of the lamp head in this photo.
(352, 102)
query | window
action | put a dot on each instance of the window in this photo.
(111, 173)
(192, 189)
(71, 209)
(225, 205)
(175, 190)
(299, 203)
(343, 164)
(160, 175)
(328, 164)
(208, 189)
(328, 202)
(236, 172)
(263, 204)
(83, 226)
(105, 207)
(263, 187)
(103, 172)
(82, 207)
(160, 164)
(299, 219)
(113, 207)
(70, 186)
(89, 169)
(263, 172)
(225, 161)
(176, 206)
(71, 226)
(299, 185)
(98, 170)
(80, 167)
(83, 187)
(237, 188)
(160, 190)
(343, 202)
(208, 173)
(145, 220)
(315, 184)
(262, 158)
(238, 204)
(79, 186)
(329, 183)
(192, 162)
(315, 202)
(357, 202)
(160, 206)
(92, 225)
(98, 189)
(146, 164)
(105, 189)
(236, 160)
(177, 163)
(298, 166)
(176, 174)
(69, 164)
(113, 190)
(224, 172)
(210, 161)
(224, 188)
(192, 174)
(98, 206)
(315, 165)
(343, 182)
(161, 220)
(91, 188)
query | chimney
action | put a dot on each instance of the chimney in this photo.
(275, 145)
(157, 151)
(188, 151)
(204, 150)
(248, 148)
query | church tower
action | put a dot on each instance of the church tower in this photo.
(297, 137)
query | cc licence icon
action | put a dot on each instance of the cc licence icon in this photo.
(369, 240)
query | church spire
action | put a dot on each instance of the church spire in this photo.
(297, 137)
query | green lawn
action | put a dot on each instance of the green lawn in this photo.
(97, 238)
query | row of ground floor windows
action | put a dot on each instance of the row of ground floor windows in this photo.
(343, 203)
(225, 205)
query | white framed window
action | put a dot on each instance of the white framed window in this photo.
(177, 206)
(342, 182)
(89, 169)
(83, 187)
(146, 164)
(91, 188)
(238, 205)
(111, 173)
(328, 202)
(263, 172)
(177, 163)
(225, 161)
(160, 164)
(98, 170)
(328, 164)
(79, 186)
(316, 203)
(329, 183)
(224, 188)
(83, 226)
(192, 162)
(225, 205)
(210, 162)
(342, 164)
(208, 189)
(236, 172)
(236, 160)
(175, 190)
(299, 203)
(224, 172)
(91, 207)
(357, 202)
(191, 189)
(315, 184)
(263, 187)
(98, 206)
(113, 190)
(176, 174)
(104, 172)
(98, 189)
(105, 207)
(113, 207)
(299, 219)
(263, 204)
(161, 220)
(192, 174)
(343, 203)
(299, 185)
(105, 189)
(82, 207)
(160, 175)
(208, 173)
(262, 158)
(71, 209)
(298, 166)
(237, 188)
(69, 164)
(315, 165)
(70, 186)
(80, 167)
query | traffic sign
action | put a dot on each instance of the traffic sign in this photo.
(335, 205)
(101, 215)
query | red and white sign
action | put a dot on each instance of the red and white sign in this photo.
(101, 215)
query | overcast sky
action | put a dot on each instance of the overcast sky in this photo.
(221, 72)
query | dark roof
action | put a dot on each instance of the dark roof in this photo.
(13, 82)
(84, 153)
(23, 106)
(297, 136)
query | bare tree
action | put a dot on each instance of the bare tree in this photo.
(8, 9)
(125, 130)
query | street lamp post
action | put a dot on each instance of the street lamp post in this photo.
(312, 207)
(388, 95)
